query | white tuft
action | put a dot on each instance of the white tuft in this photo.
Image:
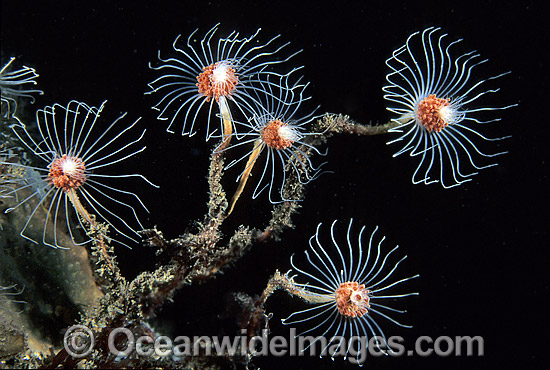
(448, 114)
(69, 167)
(288, 132)
(220, 72)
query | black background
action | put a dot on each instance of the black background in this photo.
(481, 249)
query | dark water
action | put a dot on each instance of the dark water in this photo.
(481, 249)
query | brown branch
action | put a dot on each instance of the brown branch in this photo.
(198, 256)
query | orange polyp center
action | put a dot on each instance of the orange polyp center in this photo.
(216, 80)
(276, 134)
(429, 113)
(352, 299)
(67, 173)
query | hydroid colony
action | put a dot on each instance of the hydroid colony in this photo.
(265, 130)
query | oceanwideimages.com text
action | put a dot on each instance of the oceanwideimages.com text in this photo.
(79, 342)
